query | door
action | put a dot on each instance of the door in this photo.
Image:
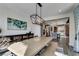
(67, 34)
(66, 41)
(55, 29)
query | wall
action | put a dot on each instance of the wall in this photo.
(6, 12)
(76, 17)
(72, 25)
(61, 29)
(36, 29)
(58, 22)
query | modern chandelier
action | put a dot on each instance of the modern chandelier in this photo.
(35, 18)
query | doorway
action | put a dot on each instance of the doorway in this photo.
(61, 26)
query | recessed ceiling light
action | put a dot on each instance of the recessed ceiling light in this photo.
(60, 10)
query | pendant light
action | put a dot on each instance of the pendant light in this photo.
(35, 18)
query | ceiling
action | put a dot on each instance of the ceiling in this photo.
(48, 9)
(56, 22)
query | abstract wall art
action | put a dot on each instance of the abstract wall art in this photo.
(14, 24)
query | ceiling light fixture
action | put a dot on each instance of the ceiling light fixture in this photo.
(37, 19)
(60, 10)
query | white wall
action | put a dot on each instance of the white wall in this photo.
(4, 13)
(36, 29)
(72, 25)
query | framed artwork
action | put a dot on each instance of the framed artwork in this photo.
(14, 24)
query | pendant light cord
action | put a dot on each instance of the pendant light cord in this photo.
(41, 12)
(36, 12)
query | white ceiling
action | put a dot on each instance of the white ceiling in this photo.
(54, 8)
(57, 21)
(48, 9)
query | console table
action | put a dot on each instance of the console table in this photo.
(18, 37)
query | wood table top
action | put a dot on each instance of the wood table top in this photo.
(34, 45)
